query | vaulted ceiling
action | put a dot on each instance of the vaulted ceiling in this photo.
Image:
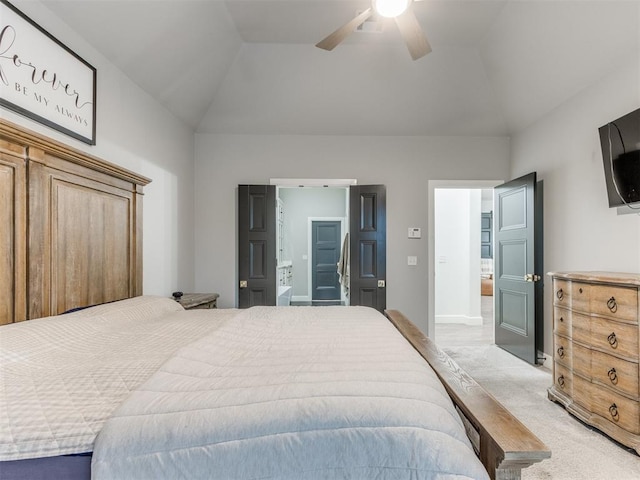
(250, 66)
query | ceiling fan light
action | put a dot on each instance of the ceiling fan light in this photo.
(391, 8)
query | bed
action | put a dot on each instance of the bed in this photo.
(79, 390)
(142, 388)
(62, 376)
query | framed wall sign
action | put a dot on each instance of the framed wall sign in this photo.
(43, 79)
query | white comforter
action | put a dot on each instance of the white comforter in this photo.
(290, 393)
(61, 377)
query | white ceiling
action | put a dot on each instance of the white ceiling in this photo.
(250, 66)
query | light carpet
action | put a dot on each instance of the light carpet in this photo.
(578, 452)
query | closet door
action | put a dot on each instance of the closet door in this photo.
(13, 233)
(82, 232)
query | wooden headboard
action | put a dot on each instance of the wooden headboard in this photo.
(71, 231)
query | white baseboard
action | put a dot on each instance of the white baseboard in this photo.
(460, 319)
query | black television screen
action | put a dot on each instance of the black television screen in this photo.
(620, 143)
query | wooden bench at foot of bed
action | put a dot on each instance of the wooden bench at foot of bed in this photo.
(505, 446)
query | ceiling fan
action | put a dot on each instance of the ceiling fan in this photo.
(400, 11)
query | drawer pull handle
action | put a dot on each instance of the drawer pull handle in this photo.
(613, 341)
(613, 376)
(560, 294)
(561, 352)
(613, 410)
(612, 305)
(561, 319)
(580, 290)
(561, 381)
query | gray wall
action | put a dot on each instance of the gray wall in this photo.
(137, 133)
(299, 205)
(403, 164)
(581, 232)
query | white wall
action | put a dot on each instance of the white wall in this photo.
(580, 231)
(457, 256)
(135, 132)
(486, 205)
(403, 164)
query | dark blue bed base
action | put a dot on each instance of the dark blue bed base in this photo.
(64, 467)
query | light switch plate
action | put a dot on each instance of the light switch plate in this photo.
(412, 260)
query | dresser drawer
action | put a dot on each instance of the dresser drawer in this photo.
(614, 337)
(563, 352)
(581, 328)
(617, 409)
(580, 296)
(562, 321)
(562, 293)
(582, 391)
(563, 379)
(615, 373)
(615, 302)
(582, 360)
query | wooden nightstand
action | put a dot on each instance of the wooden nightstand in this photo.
(191, 301)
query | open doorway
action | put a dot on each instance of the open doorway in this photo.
(461, 262)
(312, 226)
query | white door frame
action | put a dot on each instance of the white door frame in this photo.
(431, 271)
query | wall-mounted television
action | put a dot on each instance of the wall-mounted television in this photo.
(620, 143)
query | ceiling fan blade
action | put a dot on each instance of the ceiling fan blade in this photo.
(413, 35)
(333, 40)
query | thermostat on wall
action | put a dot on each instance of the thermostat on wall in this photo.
(414, 232)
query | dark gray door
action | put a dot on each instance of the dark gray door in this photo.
(325, 253)
(486, 234)
(368, 238)
(518, 262)
(256, 245)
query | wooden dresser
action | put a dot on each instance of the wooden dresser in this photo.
(596, 336)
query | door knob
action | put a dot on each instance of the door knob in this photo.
(531, 277)
(243, 284)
